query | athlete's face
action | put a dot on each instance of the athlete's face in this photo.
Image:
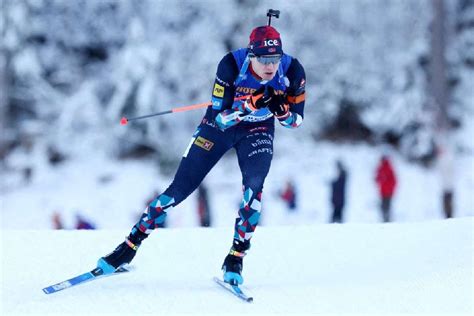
(265, 66)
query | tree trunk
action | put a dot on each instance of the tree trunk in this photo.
(4, 84)
(440, 97)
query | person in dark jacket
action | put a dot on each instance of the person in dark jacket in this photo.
(387, 182)
(338, 196)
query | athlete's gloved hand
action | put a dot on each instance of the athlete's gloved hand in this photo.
(279, 107)
(260, 99)
(229, 118)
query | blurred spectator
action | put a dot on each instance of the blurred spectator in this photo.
(289, 195)
(82, 223)
(446, 167)
(27, 174)
(57, 221)
(55, 156)
(448, 202)
(387, 182)
(204, 211)
(338, 196)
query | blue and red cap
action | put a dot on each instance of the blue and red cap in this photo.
(265, 40)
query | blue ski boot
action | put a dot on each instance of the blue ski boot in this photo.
(123, 254)
(233, 263)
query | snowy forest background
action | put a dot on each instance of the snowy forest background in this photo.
(71, 69)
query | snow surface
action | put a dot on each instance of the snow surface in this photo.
(367, 269)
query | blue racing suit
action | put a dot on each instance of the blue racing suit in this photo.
(228, 125)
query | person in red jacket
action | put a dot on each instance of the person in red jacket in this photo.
(387, 182)
(288, 194)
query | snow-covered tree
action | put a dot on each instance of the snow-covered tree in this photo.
(71, 69)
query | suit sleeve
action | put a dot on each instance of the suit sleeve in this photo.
(295, 95)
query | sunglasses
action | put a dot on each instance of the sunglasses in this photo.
(268, 59)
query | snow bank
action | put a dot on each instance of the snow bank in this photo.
(420, 268)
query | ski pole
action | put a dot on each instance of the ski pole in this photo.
(125, 120)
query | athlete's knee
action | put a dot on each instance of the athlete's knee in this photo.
(180, 191)
(254, 182)
(155, 214)
(163, 201)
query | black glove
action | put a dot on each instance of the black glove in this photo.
(260, 99)
(278, 106)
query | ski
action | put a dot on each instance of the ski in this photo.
(234, 289)
(88, 276)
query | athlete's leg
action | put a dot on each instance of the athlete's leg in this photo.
(254, 152)
(207, 146)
